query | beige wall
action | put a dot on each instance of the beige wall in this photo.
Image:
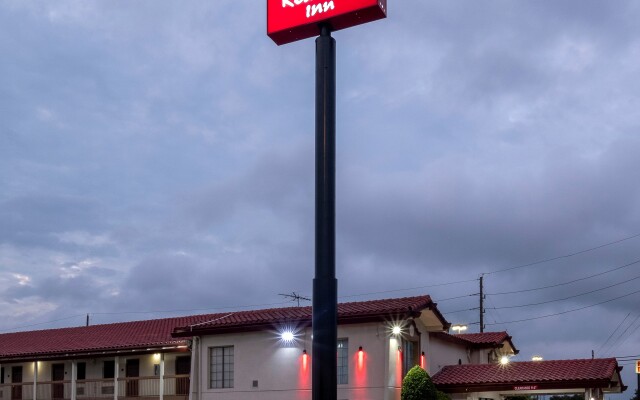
(281, 375)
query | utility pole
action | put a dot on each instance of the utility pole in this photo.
(481, 303)
(87, 319)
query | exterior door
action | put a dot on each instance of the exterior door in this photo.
(132, 373)
(57, 374)
(183, 367)
(16, 377)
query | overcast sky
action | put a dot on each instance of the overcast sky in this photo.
(158, 156)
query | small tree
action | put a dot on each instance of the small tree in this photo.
(417, 385)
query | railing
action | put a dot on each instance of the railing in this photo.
(176, 387)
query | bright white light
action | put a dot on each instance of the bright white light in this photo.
(536, 358)
(287, 336)
(504, 360)
(459, 328)
(396, 330)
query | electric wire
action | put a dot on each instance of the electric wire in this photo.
(612, 333)
(563, 256)
(569, 297)
(615, 344)
(41, 323)
(565, 283)
(190, 310)
(407, 289)
(568, 311)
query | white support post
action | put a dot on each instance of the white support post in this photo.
(35, 380)
(161, 382)
(194, 367)
(74, 379)
(116, 369)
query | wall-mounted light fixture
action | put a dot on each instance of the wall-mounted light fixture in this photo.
(287, 336)
(504, 360)
(396, 330)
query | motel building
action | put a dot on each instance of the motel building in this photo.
(266, 355)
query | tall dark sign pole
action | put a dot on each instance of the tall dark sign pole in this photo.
(289, 21)
(325, 284)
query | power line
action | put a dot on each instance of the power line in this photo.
(563, 256)
(568, 311)
(407, 289)
(612, 333)
(615, 344)
(570, 297)
(565, 283)
(190, 310)
(42, 323)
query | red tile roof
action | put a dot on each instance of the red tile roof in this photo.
(478, 340)
(484, 338)
(140, 335)
(529, 373)
(347, 312)
(91, 339)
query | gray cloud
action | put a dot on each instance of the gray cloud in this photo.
(158, 149)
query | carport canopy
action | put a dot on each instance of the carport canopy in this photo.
(594, 377)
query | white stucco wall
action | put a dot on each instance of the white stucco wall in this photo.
(442, 352)
(281, 375)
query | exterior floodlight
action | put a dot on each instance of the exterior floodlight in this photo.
(396, 330)
(504, 360)
(536, 358)
(287, 336)
(459, 328)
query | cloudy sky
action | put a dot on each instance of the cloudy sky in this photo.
(156, 158)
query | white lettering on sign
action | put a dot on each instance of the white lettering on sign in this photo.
(530, 387)
(312, 10)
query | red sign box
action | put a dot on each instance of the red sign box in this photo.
(291, 20)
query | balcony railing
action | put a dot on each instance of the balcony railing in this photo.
(176, 387)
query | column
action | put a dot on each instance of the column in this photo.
(74, 379)
(35, 379)
(161, 382)
(116, 368)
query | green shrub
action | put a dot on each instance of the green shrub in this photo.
(443, 396)
(417, 385)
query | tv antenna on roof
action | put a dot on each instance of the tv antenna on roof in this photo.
(295, 297)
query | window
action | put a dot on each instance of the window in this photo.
(221, 367)
(343, 361)
(108, 368)
(81, 371)
(410, 355)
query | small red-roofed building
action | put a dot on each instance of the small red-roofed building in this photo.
(591, 377)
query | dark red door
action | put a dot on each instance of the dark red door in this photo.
(16, 377)
(132, 372)
(57, 374)
(183, 367)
